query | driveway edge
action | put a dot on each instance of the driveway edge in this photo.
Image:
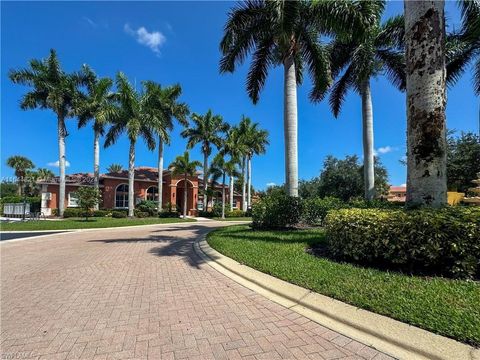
(385, 334)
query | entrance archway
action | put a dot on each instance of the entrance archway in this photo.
(180, 196)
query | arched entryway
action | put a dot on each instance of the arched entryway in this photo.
(191, 201)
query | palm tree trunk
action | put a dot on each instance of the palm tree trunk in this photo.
(426, 98)
(131, 179)
(96, 162)
(230, 190)
(160, 174)
(244, 183)
(205, 181)
(185, 194)
(61, 164)
(367, 128)
(20, 185)
(249, 183)
(290, 126)
(223, 196)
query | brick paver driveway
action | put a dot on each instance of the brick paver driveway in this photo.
(138, 293)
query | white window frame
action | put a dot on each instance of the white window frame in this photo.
(146, 192)
(72, 200)
(121, 207)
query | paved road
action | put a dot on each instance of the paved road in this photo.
(144, 293)
(21, 234)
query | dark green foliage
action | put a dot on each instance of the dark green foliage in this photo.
(463, 161)
(88, 197)
(343, 179)
(314, 210)
(148, 206)
(276, 211)
(8, 189)
(102, 213)
(141, 214)
(442, 242)
(118, 214)
(206, 214)
(169, 214)
(234, 213)
(72, 212)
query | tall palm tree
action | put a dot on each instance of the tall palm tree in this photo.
(255, 140)
(21, 165)
(183, 166)
(286, 33)
(52, 89)
(95, 105)
(129, 116)
(207, 131)
(112, 168)
(354, 61)
(44, 174)
(426, 77)
(161, 106)
(221, 168)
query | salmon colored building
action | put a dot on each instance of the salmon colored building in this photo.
(397, 193)
(114, 190)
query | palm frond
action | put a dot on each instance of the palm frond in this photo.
(340, 89)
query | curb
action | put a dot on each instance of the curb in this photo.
(390, 336)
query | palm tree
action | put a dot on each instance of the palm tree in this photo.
(255, 141)
(161, 107)
(129, 117)
(44, 174)
(21, 165)
(183, 166)
(207, 131)
(95, 106)
(286, 33)
(113, 168)
(359, 59)
(220, 168)
(52, 89)
(426, 76)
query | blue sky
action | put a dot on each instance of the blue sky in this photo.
(177, 42)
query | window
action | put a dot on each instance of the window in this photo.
(121, 196)
(72, 200)
(152, 193)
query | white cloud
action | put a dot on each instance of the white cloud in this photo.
(90, 22)
(385, 149)
(404, 185)
(154, 40)
(270, 184)
(57, 163)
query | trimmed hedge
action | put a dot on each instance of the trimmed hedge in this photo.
(316, 209)
(169, 214)
(119, 214)
(234, 213)
(427, 241)
(276, 211)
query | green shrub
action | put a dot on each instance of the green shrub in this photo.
(102, 213)
(118, 214)
(217, 209)
(360, 203)
(140, 214)
(234, 213)
(169, 214)
(428, 241)
(314, 210)
(73, 212)
(148, 206)
(206, 214)
(276, 211)
(55, 212)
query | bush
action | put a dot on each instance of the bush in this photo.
(147, 206)
(73, 212)
(118, 214)
(315, 209)
(234, 213)
(169, 214)
(276, 211)
(140, 214)
(206, 214)
(102, 213)
(427, 241)
(360, 203)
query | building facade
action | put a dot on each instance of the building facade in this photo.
(114, 190)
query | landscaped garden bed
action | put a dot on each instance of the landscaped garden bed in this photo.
(444, 306)
(81, 223)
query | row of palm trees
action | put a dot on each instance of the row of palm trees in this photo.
(290, 33)
(148, 114)
(25, 174)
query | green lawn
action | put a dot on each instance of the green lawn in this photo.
(234, 219)
(447, 307)
(80, 223)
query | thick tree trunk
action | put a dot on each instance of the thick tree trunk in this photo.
(249, 183)
(205, 180)
(426, 98)
(96, 162)
(290, 127)
(230, 191)
(61, 164)
(131, 179)
(160, 174)
(185, 194)
(367, 128)
(223, 197)
(20, 185)
(244, 183)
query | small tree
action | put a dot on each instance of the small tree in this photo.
(88, 197)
